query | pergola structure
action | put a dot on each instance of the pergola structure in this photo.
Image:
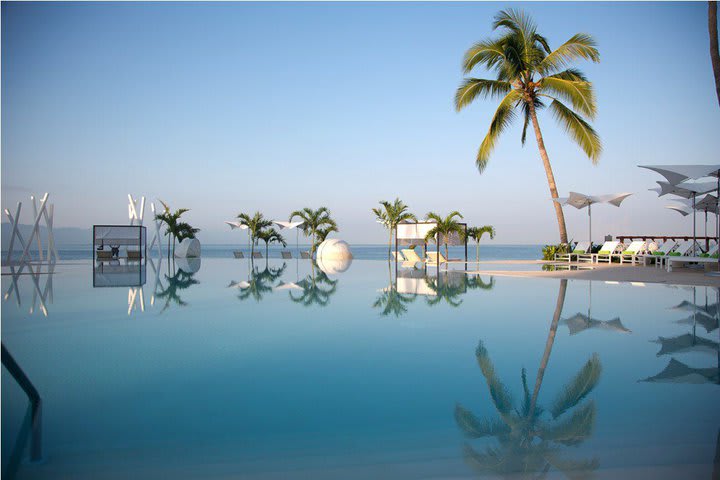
(415, 233)
(116, 236)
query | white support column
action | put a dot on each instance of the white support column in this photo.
(36, 228)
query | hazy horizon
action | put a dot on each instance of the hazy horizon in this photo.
(230, 107)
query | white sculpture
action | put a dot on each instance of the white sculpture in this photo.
(133, 212)
(334, 256)
(45, 212)
(189, 247)
(156, 235)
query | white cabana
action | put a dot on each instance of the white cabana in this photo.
(580, 201)
(132, 237)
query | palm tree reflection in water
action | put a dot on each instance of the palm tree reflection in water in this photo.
(180, 280)
(316, 289)
(260, 282)
(529, 440)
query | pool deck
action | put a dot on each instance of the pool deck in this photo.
(603, 273)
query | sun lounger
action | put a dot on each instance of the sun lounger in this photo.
(104, 255)
(134, 255)
(673, 260)
(633, 251)
(582, 248)
(411, 256)
(712, 251)
(684, 250)
(238, 254)
(286, 255)
(397, 256)
(257, 255)
(305, 255)
(664, 249)
(435, 258)
(606, 253)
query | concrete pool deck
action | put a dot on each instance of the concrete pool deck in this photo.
(603, 273)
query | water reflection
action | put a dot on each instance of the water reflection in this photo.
(315, 289)
(446, 286)
(704, 314)
(259, 283)
(529, 438)
(581, 321)
(43, 294)
(177, 280)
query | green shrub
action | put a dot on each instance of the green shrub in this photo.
(549, 251)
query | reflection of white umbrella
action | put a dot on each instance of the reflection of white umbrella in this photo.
(290, 225)
(580, 322)
(678, 372)
(288, 286)
(579, 201)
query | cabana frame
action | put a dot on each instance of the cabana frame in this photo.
(418, 230)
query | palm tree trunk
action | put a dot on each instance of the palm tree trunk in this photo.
(548, 171)
(714, 51)
(548, 345)
(390, 244)
(477, 251)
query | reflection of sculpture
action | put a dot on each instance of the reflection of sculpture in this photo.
(259, 283)
(528, 442)
(44, 295)
(317, 289)
(181, 280)
(332, 265)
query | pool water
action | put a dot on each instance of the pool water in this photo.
(280, 370)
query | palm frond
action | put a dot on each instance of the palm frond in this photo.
(489, 53)
(578, 92)
(499, 393)
(500, 121)
(579, 46)
(472, 87)
(579, 387)
(473, 427)
(580, 130)
(574, 429)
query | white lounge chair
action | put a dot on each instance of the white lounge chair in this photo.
(633, 251)
(582, 248)
(605, 254)
(664, 249)
(684, 249)
(435, 258)
(683, 256)
(411, 257)
(397, 256)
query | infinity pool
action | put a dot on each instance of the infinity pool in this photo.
(280, 370)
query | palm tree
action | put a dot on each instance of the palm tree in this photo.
(323, 232)
(269, 236)
(255, 224)
(391, 215)
(315, 221)
(443, 228)
(529, 74)
(714, 50)
(476, 234)
(174, 229)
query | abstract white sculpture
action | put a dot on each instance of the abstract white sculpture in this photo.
(334, 256)
(188, 247)
(45, 212)
(156, 235)
(133, 212)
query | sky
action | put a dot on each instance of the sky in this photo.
(236, 107)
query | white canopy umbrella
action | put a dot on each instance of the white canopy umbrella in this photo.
(688, 190)
(289, 226)
(677, 174)
(681, 209)
(579, 201)
(241, 226)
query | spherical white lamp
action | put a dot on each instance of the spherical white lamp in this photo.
(334, 256)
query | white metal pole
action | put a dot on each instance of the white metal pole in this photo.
(694, 218)
(590, 223)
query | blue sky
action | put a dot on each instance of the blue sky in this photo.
(229, 107)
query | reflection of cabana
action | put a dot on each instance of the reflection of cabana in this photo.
(415, 233)
(132, 237)
(115, 274)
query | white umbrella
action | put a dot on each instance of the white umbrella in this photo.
(681, 209)
(688, 190)
(579, 201)
(676, 174)
(241, 226)
(290, 225)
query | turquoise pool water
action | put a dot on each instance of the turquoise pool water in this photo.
(288, 372)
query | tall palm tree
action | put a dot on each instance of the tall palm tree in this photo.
(714, 50)
(255, 224)
(476, 234)
(323, 232)
(314, 222)
(174, 229)
(269, 236)
(391, 215)
(528, 75)
(444, 227)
